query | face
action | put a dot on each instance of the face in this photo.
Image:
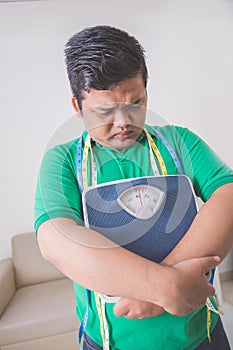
(115, 118)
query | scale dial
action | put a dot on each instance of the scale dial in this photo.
(141, 201)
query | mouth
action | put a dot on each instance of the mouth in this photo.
(123, 135)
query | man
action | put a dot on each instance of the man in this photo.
(161, 305)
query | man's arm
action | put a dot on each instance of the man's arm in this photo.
(210, 234)
(116, 271)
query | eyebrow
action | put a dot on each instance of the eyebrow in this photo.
(111, 107)
(137, 101)
(106, 108)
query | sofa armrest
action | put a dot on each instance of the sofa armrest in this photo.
(7, 283)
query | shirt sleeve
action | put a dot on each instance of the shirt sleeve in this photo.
(200, 163)
(57, 192)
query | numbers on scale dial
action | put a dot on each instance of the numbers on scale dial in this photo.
(141, 201)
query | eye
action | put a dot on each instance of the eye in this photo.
(133, 106)
(105, 113)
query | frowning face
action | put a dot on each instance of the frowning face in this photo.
(115, 118)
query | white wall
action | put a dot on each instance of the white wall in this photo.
(189, 54)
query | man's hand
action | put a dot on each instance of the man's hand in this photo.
(188, 285)
(187, 289)
(132, 308)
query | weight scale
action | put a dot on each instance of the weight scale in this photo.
(147, 215)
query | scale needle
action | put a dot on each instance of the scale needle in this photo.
(140, 197)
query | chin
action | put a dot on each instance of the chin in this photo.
(120, 144)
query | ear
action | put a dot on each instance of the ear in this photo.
(76, 106)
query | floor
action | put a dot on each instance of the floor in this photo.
(227, 307)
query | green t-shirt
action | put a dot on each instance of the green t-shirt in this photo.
(58, 195)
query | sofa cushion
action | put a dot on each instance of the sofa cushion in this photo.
(64, 341)
(38, 311)
(30, 267)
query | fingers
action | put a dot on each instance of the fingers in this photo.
(132, 308)
(121, 308)
(209, 262)
(191, 285)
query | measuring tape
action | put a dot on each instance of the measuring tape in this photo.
(100, 302)
(82, 175)
(82, 171)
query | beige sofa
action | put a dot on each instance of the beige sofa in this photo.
(37, 304)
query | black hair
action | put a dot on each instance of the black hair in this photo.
(100, 57)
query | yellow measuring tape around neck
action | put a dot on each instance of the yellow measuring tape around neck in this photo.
(156, 152)
(101, 318)
(87, 148)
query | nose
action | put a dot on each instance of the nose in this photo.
(121, 117)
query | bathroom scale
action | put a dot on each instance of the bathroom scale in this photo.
(146, 215)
